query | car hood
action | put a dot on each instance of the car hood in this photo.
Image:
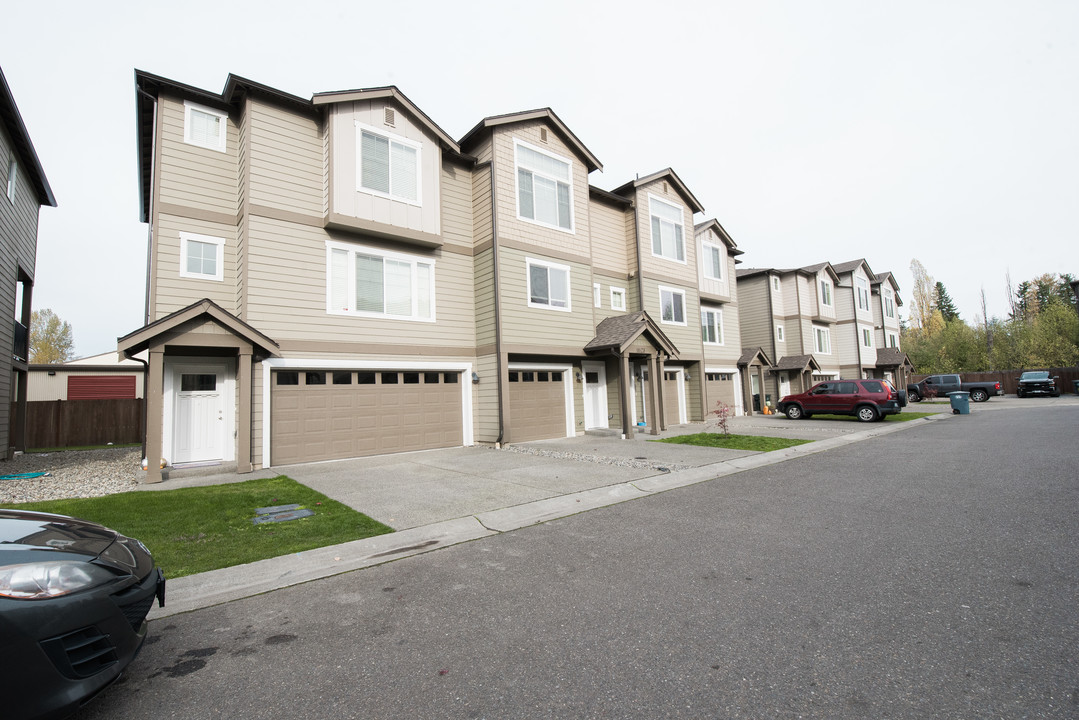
(22, 529)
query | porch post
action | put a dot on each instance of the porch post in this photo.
(661, 376)
(155, 409)
(243, 432)
(624, 389)
(653, 396)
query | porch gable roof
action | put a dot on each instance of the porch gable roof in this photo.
(618, 332)
(142, 338)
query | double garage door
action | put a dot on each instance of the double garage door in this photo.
(329, 415)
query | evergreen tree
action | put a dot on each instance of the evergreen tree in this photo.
(943, 302)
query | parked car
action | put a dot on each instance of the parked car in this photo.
(1037, 382)
(868, 400)
(74, 596)
(941, 385)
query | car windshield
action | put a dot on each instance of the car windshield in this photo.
(1035, 375)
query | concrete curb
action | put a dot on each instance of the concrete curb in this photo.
(233, 583)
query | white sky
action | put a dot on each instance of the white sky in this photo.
(946, 131)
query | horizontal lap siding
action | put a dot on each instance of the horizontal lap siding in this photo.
(524, 325)
(286, 160)
(686, 338)
(485, 400)
(754, 319)
(610, 246)
(606, 282)
(193, 176)
(174, 292)
(686, 273)
(457, 205)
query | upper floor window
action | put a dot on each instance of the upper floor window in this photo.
(375, 283)
(867, 337)
(544, 187)
(863, 293)
(667, 235)
(672, 306)
(596, 295)
(548, 285)
(618, 298)
(823, 339)
(779, 333)
(12, 177)
(893, 341)
(205, 127)
(825, 293)
(712, 326)
(389, 165)
(201, 256)
(889, 304)
(713, 261)
(775, 284)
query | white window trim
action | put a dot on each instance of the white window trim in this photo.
(617, 292)
(775, 283)
(889, 304)
(596, 296)
(352, 249)
(392, 137)
(529, 262)
(673, 291)
(571, 230)
(867, 334)
(185, 238)
(780, 336)
(718, 314)
(651, 241)
(831, 293)
(893, 340)
(861, 287)
(827, 337)
(705, 260)
(12, 179)
(221, 144)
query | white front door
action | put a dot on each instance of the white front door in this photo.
(199, 424)
(595, 395)
(784, 385)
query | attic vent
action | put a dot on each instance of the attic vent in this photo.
(665, 187)
(391, 116)
(543, 134)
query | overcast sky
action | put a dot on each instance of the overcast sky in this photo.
(826, 130)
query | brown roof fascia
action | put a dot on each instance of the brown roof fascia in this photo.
(591, 161)
(671, 175)
(140, 339)
(732, 247)
(389, 91)
(24, 148)
(605, 195)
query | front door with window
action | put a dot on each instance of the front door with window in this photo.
(595, 395)
(199, 424)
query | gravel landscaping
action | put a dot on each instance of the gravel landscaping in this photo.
(72, 474)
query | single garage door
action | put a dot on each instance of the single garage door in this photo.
(721, 388)
(537, 405)
(671, 414)
(328, 415)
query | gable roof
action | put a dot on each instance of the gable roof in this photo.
(809, 270)
(618, 332)
(713, 224)
(892, 357)
(140, 339)
(591, 161)
(20, 139)
(750, 354)
(800, 363)
(392, 92)
(669, 175)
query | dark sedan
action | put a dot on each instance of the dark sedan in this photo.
(1037, 382)
(74, 597)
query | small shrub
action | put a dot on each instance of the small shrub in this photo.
(721, 415)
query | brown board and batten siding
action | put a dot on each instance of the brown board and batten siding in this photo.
(286, 161)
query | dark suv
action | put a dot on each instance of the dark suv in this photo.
(867, 400)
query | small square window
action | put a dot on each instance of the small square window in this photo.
(672, 306)
(514, 377)
(528, 377)
(314, 378)
(201, 256)
(556, 377)
(450, 378)
(548, 285)
(365, 378)
(390, 378)
(288, 377)
(205, 127)
(412, 378)
(430, 378)
(542, 377)
(618, 298)
(342, 378)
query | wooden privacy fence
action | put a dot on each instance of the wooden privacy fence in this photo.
(1008, 378)
(68, 423)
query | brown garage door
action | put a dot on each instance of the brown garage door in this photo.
(721, 388)
(537, 405)
(671, 416)
(328, 415)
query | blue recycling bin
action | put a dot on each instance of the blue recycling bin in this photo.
(960, 400)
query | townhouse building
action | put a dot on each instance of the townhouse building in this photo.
(337, 276)
(26, 190)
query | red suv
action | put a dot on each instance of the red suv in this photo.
(868, 400)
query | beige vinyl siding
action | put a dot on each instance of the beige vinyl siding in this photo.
(483, 265)
(754, 319)
(482, 228)
(686, 338)
(243, 184)
(578, 398)
(285, 160)
(509, 226)
(686, 273)
(287, 292)
(728, 353)
(457, 211)
(824, 310)
(606, 282)
(614, 396)
(174, 292)
(524, 325)
(844, 302)
(709, 286)
(610, 247)
(694, 398)
(193, 176)
(349, 201)
(485, 400)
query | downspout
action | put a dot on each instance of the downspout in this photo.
(637, 245)
(145, 396)
(772, 331)
(498, 307)
(149, 232)
(857, 329)
(802, 384)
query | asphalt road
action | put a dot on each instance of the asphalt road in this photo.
(928, 573)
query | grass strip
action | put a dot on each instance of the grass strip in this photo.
(757, 443)
(196, 529)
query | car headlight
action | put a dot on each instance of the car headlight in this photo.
(38, 581)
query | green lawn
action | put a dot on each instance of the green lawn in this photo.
(192, 530)
(901, 417)
(757, 443)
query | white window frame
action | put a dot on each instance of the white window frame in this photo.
(518, 166)
(221, 144)
(392, 138)
(889, 304)
(867, 337)
(618, 298)
(186, 239)
(824, 333)
(353, 249)
(673, 292)
(596, 295)
(529, 263)
(682, 213)
(775, 283)
(707, 248)
(12, 179)
(826, 291)
(893, 340)
(862, 286)
(780, 337)
(717, 325)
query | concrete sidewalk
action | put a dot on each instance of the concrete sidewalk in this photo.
(439, 498)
